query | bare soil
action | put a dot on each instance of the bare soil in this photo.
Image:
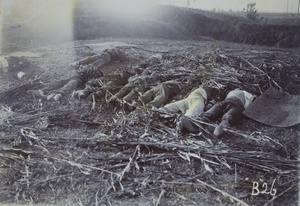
(69, 153)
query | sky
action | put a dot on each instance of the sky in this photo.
(282, 6)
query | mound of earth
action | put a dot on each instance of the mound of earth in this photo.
(180, 23)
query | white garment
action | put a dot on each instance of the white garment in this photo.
(249, 98)
(198, 93)
(3, 63)
(193, 105)
(245, 97)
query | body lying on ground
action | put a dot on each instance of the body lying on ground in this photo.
(228, 111)
(136, 85)
(148, 88)
(160, 94)
(99, 87)
(193, 104)
(85, 74)
(148, 95)
(59, 88)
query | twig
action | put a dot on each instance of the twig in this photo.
(127, 168)
(285, 191)
(226, 130)
(258, 159)
(94, 102)
(96, 198)
(107, 191)
(269, 138)
(262, 72)
(78, 201)
(203, 129)
(235, 174)
(223, 193)
(137, 53)
(35, 182)
(168, 146)
(86, 122)
(159, 197)
(236, 132)
(184, 155)
(283, 63)
(142, 161)
(184, 198)
(82, 166)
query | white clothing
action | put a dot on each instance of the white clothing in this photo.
(245, 97)
(193, 105)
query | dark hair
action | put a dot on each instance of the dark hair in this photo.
(125, 75)
(98, 73)
(214, 91)
(223, 93)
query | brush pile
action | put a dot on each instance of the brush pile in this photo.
(83, 152)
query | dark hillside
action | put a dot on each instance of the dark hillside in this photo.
(179, 23)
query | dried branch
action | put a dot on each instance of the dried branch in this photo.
(260, 160)
(131, 159)
(270, 79)
(270, 202)
(159, 197)
(223, 193)
(82, 166)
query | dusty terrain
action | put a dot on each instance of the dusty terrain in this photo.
(85, 152)
(39, 27)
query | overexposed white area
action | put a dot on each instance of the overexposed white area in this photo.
(127, 7)
(25, 23)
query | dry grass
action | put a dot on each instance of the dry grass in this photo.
(80, 153)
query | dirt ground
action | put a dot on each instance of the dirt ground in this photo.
(89, 152)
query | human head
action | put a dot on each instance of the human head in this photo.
(174, 85)
(125, 75)
(98, 73)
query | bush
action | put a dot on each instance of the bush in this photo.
(252, 12)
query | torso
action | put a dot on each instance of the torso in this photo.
(245, 97)
(198, 93)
